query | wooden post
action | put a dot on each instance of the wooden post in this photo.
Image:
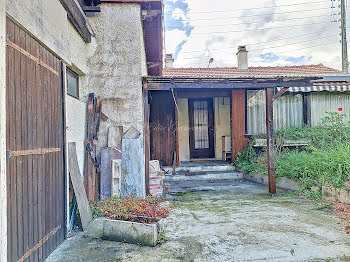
(3, 173)
(270, 140)
(177, 154)
(146, 134)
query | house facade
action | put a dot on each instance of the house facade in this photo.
(52, 55)
(206, 114)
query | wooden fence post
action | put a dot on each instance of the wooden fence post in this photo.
(146, 134)
(3, 173)
(270, 140)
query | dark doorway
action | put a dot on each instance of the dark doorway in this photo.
(201, 120)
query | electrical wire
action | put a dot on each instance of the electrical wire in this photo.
(219, 18)
(251, 51)
(252, 8)
(256, 29)
(252, 44)
(226, 60)
(288, 19)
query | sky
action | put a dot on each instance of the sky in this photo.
(276, 32)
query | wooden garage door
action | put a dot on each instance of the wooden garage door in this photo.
(35, 169)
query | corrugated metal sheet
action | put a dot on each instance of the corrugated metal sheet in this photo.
(288, 111)
(325, 86)
(326, 102)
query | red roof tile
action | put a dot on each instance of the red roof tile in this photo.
(232, 72)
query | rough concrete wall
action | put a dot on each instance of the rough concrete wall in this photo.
(3, 185)
(184, 132)
(222, 120)
(76, 126)
(116, 67)
(79, 51)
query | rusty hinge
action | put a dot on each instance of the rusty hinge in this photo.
(38, 151)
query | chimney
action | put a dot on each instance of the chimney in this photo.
(242, 58)
(169, 61)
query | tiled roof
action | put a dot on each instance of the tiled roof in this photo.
(232, 72)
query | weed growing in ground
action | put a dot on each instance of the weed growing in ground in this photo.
(324, 161)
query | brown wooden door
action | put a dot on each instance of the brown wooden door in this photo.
(162, 127)
(35, 169)
(201, 120)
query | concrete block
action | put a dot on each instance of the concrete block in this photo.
(130, 232)
(95, 228)
(133, 168)
(108, 154)
(282, 183)
(115, 135)
(132, 133)
(116, 177)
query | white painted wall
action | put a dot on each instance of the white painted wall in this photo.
(76, 126)
(184, 131)
(3, 186)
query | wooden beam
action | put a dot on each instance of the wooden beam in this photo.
(146, 135)
(190, 85)
(270, 140)
(279, 93)
(78, 186)
(77, 17)
(204, 93)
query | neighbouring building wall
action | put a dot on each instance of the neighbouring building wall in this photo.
(3, 182)
(184, 131)
(116, 67)
(222, 118)
(322, 103)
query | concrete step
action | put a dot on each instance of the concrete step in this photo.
(202, 168)
(203, 176)
(194, 186)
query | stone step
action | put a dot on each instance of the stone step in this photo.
(203, 176)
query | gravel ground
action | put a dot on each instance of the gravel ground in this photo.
(243, 223)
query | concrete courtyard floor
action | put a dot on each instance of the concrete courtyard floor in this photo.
(243, 223)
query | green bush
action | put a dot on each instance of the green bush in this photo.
(324, 161)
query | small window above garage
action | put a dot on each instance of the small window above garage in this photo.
(72, 84)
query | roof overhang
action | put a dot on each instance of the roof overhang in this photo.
(152, 16)
(163, 83)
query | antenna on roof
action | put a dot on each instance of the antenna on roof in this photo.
(211, 60)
